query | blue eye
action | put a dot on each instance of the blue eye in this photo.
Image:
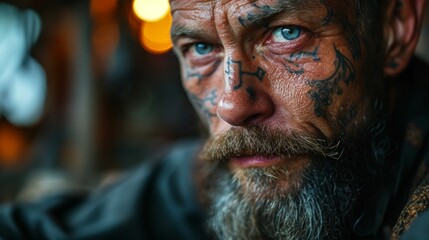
(284, 34)
(203, 48)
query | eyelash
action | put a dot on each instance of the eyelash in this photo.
(291, 29)
(290, 45)
(201, 60)
(276, 47)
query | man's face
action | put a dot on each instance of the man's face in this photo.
(289, 66)
(279, 84)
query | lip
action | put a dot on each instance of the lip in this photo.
(255, 161)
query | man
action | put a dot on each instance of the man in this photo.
(318, 130)
(300, 99)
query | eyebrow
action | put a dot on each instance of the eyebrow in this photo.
(301, 8)
(178, 31)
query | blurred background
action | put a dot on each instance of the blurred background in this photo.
(113, 96)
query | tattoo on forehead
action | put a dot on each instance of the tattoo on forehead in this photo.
(231, 69)
(254, 17)
(201, 103)
(192, 73)
(263, 13)
(323, 90)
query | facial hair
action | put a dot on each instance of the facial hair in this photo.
(323, 204)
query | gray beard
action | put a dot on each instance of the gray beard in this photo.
(318, 210)
(324, 205)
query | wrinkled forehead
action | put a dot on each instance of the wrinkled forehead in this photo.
(193, 9)
(210, 10)
(232, 3)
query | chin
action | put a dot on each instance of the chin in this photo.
(276, 203)
(268, 182)
(318, 195)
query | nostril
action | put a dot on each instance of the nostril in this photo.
(252, 119)
(244, 107)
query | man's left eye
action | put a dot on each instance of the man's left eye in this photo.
(285, 34)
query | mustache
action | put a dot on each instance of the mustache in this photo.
(264, 141)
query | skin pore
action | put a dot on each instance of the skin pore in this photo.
(281, 86)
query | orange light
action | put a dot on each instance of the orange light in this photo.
(151, 10)
(105, 38)
(102, 7)
(12, 145)
(155, 36)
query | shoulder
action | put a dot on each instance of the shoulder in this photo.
(413, 222)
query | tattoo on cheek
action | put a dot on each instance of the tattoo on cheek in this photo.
(295, 68)
(205, 104)
(351, 31)
(292, 67)
(323, 90)
(231, 69)
(192, 73)
(303, 54)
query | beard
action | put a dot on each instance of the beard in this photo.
(321, 201)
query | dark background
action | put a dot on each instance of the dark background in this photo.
(110, 103)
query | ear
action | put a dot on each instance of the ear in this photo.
(401, 33)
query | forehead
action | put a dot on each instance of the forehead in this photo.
(197, 8)
(209, 8)
(177, 4)
(236, 6)
(205, 12)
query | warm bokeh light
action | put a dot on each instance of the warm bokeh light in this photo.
(151, 10)
(102, 7)
(155, 36)
(105, 31)
(105, 39)
(12, 145)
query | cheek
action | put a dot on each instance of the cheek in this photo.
(291, 96)
(204, 93)
(317, 93)
(338, 90)
(290, 88)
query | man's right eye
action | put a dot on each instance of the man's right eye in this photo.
(200, 53)
(201, 49)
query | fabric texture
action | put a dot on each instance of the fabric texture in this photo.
(155, 201)
(412, 183)
(419, 202)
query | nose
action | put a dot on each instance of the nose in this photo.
(244, 100)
